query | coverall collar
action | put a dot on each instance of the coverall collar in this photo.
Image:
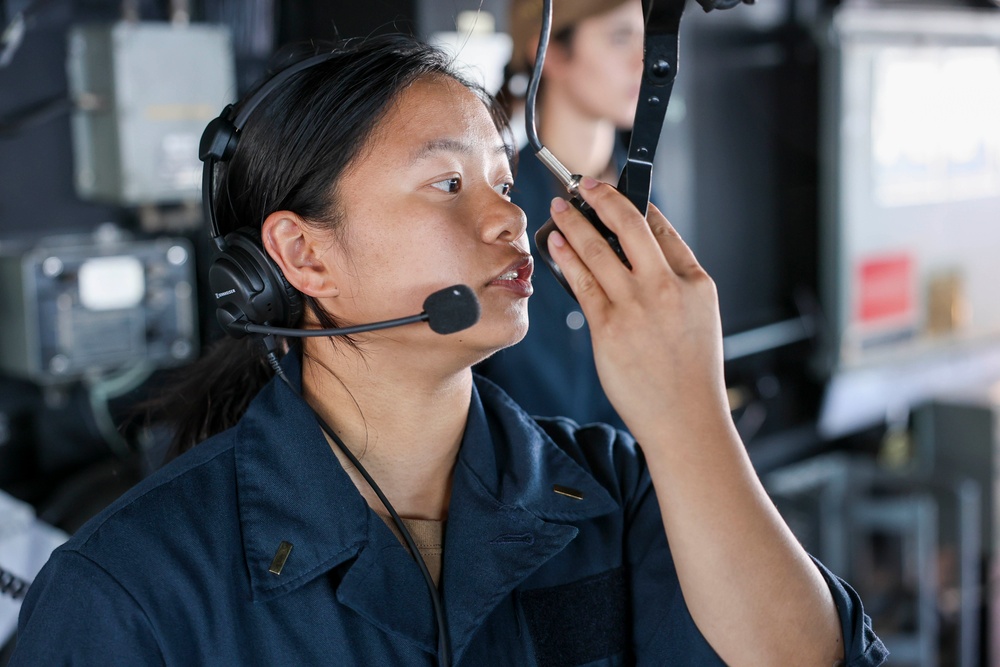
(514, 496)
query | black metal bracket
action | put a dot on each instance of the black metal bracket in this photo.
(661, 50)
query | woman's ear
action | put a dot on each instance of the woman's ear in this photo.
(299, 253)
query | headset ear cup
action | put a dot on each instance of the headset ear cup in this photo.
(287, 306)
(248, 286)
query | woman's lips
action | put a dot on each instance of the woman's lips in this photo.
(517, 277)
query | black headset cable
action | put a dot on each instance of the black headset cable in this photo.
(444, 646)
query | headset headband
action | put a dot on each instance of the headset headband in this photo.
(221, 136)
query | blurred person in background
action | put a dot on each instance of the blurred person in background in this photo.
(587, 97)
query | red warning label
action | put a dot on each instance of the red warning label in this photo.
(885, 289)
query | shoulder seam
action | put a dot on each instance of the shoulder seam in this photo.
(145, 615)
(94, 529)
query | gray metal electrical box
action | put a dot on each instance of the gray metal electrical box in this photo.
(78, 305)
(144, 93)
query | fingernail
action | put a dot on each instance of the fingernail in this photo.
(556, 239)
(587, 183)
(559, 205)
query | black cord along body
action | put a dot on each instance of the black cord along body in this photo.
(444, 642)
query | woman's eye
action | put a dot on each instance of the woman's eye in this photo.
(449, 185)
(503, 189)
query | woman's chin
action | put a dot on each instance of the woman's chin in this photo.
(487, 347)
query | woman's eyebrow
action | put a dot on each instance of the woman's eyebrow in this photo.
(450, 146)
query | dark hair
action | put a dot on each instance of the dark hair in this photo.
(293, 149)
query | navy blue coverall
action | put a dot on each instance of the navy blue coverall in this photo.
(176, 572)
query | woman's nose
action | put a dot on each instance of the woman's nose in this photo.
(503, 221)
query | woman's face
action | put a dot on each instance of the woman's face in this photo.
(426, 206)
(604, 66)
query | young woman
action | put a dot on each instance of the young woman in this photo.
(589, 91)
(375, 178)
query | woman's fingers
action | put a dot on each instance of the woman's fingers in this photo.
(675, 250)
(656, 252)
(634, 233)
(580, 278)
(622, 218)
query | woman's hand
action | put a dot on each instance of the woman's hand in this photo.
(750, 587)
(656, 328)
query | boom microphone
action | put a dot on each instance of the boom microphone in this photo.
(446, 311)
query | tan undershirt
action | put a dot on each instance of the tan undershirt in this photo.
(427, 534)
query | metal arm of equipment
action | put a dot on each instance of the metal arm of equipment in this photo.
(663, 22)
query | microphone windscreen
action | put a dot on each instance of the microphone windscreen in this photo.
(452, 309)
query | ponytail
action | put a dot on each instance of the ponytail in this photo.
(210, 395)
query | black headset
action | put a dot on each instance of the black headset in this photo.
(248, 286)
